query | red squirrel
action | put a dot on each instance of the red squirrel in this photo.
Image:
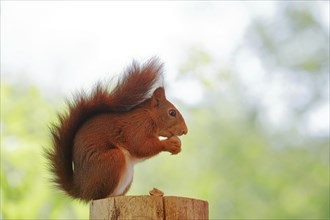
(102, 135)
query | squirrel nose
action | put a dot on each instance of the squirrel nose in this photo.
(184, 131)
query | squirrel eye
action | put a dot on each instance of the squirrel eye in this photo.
(172, 112)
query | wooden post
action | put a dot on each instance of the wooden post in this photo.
(148, 207)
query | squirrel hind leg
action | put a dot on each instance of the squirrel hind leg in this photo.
(101, 179)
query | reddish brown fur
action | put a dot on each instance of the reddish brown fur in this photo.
(96, 128)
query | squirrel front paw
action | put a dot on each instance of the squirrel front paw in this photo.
(173, 145)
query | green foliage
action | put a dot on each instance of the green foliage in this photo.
(25, 188)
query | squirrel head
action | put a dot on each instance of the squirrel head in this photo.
(169, 120)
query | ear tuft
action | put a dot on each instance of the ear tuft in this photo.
(158, 96)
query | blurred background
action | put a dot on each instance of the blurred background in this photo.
(251, 79)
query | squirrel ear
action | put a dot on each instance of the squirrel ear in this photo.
(157, 97)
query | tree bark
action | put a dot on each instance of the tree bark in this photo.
(148, 207)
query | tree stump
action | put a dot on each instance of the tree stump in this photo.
(148, 207)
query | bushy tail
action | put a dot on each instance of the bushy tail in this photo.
(133, 88)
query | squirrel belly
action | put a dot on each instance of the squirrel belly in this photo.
(126, 177)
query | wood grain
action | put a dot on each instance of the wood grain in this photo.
(185, 208)
(149, 207)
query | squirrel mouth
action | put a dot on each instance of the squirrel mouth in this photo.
(161, 138)
(165, 135)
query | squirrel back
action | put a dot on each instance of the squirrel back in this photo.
(132, 90)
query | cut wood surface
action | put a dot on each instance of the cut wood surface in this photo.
(148, 207)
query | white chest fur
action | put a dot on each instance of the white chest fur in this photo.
(127, 175)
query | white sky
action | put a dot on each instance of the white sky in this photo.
(83, 41)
